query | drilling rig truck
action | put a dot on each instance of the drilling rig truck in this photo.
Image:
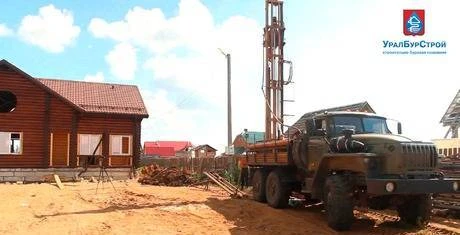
(344, 159)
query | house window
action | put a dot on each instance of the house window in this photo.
(7, 102)
(120, 145)
(88, 143)
(10, 143)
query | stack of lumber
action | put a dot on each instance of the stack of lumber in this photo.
(450, 166)
(231, 189)
(172, 176)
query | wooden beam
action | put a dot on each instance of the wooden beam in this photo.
(74, 161)
(68, 149)
(51, 149)
(46, 130)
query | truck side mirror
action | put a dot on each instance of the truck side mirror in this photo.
(399, 128)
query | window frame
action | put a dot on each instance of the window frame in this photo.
(99, 152)
(21, 145)
(130, 145)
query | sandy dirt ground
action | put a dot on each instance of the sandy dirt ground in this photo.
(138, 209)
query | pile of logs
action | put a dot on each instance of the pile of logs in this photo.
(172, 176)
(450, 167)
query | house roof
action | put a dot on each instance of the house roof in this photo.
(252, 137)
(176, 145)
(452, 115)
(89, 96)
(160, 151)
(204, 146)
(358, 107)
(99, 97)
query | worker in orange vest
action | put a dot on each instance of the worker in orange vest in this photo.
(244, 172)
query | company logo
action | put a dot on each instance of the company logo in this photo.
(414, 22)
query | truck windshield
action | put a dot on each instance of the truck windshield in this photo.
(360, 124)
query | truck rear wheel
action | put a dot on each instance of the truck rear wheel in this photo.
(339, 202)
(258, 186)
(277, 192)
(416, 210)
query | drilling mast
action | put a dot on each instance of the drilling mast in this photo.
(274, 69)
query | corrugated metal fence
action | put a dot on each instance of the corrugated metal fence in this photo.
(193, 164)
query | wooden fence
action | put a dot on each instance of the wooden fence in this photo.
(193, 164)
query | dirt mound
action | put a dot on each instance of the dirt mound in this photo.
(171, 176)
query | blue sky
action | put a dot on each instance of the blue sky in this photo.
(169, 50)
(85, 54)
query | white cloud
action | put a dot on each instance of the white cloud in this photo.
(344, 64)
(98, 77)
(337, 61)
(52, 29)
(169, 121)
(149, 28)
(5, 31)
(183, 53)
(122, 61)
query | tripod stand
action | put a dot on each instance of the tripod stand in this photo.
(102, 174)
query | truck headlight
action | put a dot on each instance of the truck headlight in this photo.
(390, 187)
(455, 186)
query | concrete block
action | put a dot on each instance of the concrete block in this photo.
(6, 173)
(13, 178)
(43, 170)
(24, 173)
(25, 169)
(34, 179)
(38, 174)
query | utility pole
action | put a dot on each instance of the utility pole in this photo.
(229, 97)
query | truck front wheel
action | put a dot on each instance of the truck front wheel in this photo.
(416, 210)
(276, 190)
(339, 202)
(258, 186)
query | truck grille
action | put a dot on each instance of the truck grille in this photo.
(419, 156)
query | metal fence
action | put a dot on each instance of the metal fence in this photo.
(198, 165)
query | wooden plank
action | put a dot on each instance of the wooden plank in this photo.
(68, 149)
(58, 182)
(51, 149)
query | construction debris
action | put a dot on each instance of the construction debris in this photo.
(225, 185)
(172, 176)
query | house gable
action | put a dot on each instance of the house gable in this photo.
(27, 119)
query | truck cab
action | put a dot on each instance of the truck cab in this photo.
(353, 159)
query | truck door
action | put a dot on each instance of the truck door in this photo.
(317, 145)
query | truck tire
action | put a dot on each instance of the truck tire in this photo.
(276, 190)
(416, 210)
(258, 185)
(339, 202)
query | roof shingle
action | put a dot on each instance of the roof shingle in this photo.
(99, 97)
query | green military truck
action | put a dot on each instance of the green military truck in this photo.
(348, 160)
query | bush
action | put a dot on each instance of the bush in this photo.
(232, 174)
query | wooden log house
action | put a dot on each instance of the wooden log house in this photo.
(49, 123)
